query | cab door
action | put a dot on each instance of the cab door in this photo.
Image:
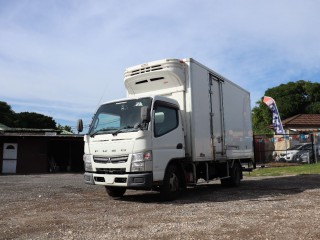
(168, 137)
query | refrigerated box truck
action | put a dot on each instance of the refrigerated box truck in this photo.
(181, 124)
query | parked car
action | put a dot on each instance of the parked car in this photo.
(307, 155)
(290, 154)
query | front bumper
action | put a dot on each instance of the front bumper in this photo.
(134, 181)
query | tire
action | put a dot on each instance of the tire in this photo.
(235, 176)
(171, 187)
(115, 192)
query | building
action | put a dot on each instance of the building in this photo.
(301, 128)
(24, 151)
(302, 123)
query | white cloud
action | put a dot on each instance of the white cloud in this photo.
(60, 61)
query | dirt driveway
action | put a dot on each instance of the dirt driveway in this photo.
(60, 206)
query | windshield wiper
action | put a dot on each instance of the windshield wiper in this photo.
(120, 130)
(100, 130)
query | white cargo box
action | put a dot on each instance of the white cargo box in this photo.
(216, 112)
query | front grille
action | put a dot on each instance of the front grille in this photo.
(111, 170)
(103, 159)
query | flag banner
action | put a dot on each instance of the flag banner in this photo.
(276, 121)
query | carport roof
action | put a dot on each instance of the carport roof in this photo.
(302, 121)
(3, 127)
(6, 131)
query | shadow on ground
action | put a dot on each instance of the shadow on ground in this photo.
(255, 189)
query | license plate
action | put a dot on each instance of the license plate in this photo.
(109, 179)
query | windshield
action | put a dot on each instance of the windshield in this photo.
(300, 146)
(119, 116)
(295, 147)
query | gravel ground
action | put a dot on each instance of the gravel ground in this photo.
(61, 206)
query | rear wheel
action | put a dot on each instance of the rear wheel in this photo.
(171, 187)
(115, 191)
(235, 176)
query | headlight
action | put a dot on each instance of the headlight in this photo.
(87, 162)
(141, 162)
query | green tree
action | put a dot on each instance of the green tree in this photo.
(261, 119)
(7, 115)
(34, 120)
(301, 97)
(27, 119)
(64, 128)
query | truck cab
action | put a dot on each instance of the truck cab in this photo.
(131, 141)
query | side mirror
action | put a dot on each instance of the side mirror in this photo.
(145, 114)
(80, 125)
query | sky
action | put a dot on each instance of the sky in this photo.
(62, 58)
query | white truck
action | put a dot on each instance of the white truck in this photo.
(181, 122)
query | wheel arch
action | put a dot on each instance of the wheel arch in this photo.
(179, 163)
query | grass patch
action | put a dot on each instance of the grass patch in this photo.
(285, 170)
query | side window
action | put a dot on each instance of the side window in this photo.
(165, 120)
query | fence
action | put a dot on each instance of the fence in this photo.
(293, 148)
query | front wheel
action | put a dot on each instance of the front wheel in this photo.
(171, 187)
(115, 192)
